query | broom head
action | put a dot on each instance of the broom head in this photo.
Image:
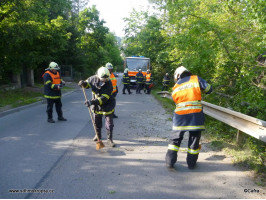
(99, 145)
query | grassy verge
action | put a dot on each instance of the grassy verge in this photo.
(167, 104)
(18, 97)
(249, 154)
(23, 96)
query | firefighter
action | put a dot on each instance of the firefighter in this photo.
(52, 91)
(139, 78)
(102, 102)
(126, 82)
(188, 115)
(109, 66)
(148, 82)
(166, 81)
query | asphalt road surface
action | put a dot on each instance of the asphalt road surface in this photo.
(43, 160)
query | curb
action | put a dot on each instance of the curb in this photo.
(13, 110)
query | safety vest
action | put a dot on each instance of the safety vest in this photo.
(148, 77)
(114, 82)
(187, 96)
(55, 77)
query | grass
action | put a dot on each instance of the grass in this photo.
(18, 97)
(23, 96)
(167, 104)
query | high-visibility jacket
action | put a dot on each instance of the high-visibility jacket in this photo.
(125, 79)
(139, 77)
(188, 115)
(148, 78)
(102, 94)
(166, 81)
(50, 82)
(114, 82)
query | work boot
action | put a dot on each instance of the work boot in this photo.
(170, 158)
(115, 116)
(62, 119)
(191, 166)
(110, 139)
(110, 143)
(50, 120)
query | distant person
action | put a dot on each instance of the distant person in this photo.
(148, 82)
(126, 82)
(102, 102)
(188, 115)
(139, 79)
(166, 82)
(109, 66)
(52, 91)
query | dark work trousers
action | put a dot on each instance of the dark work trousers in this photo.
(148, 89)
(193, 144)
(109, 124)
(126, 86)
(58, 107)
(139, 87)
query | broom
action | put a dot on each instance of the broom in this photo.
(99, 143)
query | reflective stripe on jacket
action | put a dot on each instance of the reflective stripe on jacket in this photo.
(187, 96)
(166, 80)
(126, 78)
(139, 77)
(114, 82)
(188, 115)
(102, 94)
(50, 80)
(148, 78)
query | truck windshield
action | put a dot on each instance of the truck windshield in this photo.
(134, 64)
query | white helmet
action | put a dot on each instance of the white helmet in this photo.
(179, 71)
(54, 65)
(126, 70)
(103, 73)
(109, 66)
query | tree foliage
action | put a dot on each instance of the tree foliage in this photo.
(218, 40)
(35, 32)
(221, 41)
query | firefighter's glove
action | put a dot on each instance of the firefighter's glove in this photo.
(63, 83)
(90, 102)
(82, 83)
(57, 87)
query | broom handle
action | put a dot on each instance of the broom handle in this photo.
(91, 115)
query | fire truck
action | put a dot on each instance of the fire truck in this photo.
(134, 64)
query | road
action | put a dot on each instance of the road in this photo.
(61, 157)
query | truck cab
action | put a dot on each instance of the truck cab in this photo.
(135, 63)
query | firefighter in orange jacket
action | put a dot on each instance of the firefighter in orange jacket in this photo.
(148, 82)
(109, 66)
(52, 91)
(188, 115)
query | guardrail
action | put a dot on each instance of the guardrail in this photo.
(247, 124)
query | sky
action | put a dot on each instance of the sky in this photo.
(113, 12)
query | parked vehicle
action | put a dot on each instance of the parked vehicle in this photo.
(134, 64)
